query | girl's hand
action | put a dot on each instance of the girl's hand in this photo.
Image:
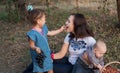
(62, 28)
(38, 50)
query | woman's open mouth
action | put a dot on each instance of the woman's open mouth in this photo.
(66, 27)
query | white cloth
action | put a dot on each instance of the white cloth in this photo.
(77, 47)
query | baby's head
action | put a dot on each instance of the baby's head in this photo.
(100, 49)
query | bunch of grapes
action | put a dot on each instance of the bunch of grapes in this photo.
(40, 59)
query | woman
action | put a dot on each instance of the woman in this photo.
(78, 39)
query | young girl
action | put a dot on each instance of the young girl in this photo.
(38, 40)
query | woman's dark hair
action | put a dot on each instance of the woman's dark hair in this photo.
(35, 14)
(81, 28)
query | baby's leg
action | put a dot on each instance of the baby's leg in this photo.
(50, 71)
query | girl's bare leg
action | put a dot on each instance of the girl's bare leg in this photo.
(50, 71)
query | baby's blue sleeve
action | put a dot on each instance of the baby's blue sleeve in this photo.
(31, 35)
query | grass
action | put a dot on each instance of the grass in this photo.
(3, 16)
(14, 56)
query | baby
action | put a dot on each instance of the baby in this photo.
(91, 61)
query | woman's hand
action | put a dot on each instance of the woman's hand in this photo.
(62, 52)
(52, 56)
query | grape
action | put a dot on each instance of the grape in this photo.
(40, 59)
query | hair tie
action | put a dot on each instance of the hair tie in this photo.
(29, 7)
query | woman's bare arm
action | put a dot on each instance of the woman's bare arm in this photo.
(62, 52)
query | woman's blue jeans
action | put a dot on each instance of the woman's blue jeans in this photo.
(59, 66)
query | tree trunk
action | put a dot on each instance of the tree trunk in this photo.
(47, 3)
(20, 6)
(77, 4)
(118, 9)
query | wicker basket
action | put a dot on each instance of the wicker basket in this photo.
(114, 62)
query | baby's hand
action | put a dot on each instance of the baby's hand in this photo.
(38, 50)
(103, 70)
(100, 67)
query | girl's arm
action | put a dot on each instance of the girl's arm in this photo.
(62, 52)
(55, 32)
(33, 47)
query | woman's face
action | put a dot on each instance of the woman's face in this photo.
(69, 24)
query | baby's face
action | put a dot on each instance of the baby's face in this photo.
(100, 52)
